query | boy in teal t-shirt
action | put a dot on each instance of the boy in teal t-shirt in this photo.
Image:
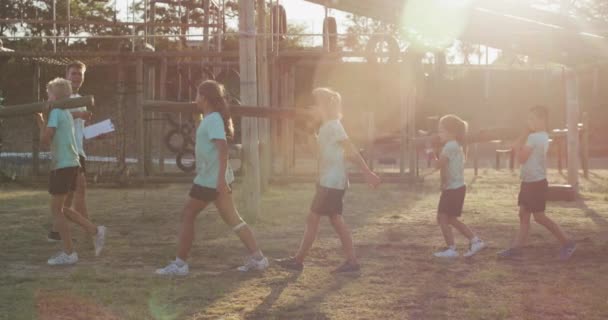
(58, 133)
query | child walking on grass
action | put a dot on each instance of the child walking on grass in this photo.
(212, 182)
(65, 167)
(531, 149)
(333, 182)
(452, 133)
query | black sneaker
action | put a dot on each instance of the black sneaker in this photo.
(54, 236)
(348, 267)
(290, 263)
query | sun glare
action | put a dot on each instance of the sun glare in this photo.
(436, 22)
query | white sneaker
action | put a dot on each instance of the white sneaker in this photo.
(449, 253)
(173, 270)
(475, 247)
(62, 258)
(100, 240)
(254, 264)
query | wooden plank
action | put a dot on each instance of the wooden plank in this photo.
(31, 108)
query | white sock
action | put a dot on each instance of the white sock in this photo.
(453, 247)
(179, 262)
(475, 239)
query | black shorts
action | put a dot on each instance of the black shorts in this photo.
(83, 167)
(63, 181)
(452, 201)
(203, 193)
(533, 196)
(328, 201)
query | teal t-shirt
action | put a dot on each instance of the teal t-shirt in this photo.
(207, 161)
(63, 145)
(332, 166)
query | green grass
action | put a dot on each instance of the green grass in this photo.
(395, 234)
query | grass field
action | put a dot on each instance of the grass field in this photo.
(395, 235)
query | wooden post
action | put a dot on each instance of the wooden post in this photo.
(412, 132)
(275, 92)
(585, 145)
(371, 137)
(148, 124)
(249, 96)
(572, 114)
(263, 95)
(283, 101)
(162, 94)
(122, 153)
(35, 129)
(403, 116)
(291, 102)
(559, 142)
(139, 117)
(475, 150)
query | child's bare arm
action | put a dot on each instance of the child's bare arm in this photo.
(354, 155)
(46, 133)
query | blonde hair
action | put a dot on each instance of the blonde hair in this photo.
(330, 100)
(455, 126)
(60, 88)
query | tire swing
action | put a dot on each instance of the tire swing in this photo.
(279, 21)
(330, 34)
(186, 160)
(383, 43)
(176, 140)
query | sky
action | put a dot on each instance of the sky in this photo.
(303, 13)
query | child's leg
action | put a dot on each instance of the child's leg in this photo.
(462, 228)
(77, 217)
(57, 203)
(186, 232)
(231, 217)
(310, 234)
(524, 227)
(542, 219)
(80, 196)
(444, 223)
(343, 231)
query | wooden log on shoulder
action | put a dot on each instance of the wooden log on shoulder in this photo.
(31, 108)
(236, 111)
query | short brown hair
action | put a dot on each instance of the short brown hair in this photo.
(61, 88)
(76, 64)
(542, 113)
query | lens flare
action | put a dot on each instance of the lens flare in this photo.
(435, 22)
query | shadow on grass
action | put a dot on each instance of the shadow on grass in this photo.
(306, 308)
(594, 216)
(263, 309)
